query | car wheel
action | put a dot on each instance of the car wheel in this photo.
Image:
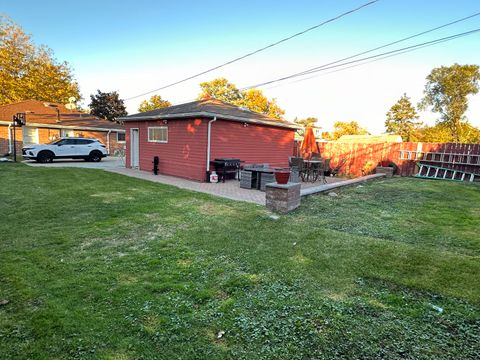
(95, 156)
(45, 157)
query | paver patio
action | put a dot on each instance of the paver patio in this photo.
(230, 189)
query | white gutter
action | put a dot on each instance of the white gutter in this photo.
(108, 141)
(72, 127)
(10, 147)
(209, 135)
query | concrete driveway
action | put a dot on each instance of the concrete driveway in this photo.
(105, 164)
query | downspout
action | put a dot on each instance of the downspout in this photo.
(108, 141)
(209, 135)
(9, 139)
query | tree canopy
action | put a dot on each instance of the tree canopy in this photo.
(28, 71)
(107, 105)
(309, 121)
(446, 92)
(341, 128)
(155, 102)
(252, 99)
(401, 119)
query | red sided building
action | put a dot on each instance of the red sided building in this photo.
(189, 136)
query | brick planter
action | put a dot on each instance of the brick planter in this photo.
(282, 198)
(387, 170)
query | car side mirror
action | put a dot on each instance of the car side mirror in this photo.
(59, 144)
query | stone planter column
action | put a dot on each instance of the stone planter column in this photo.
(282, 198)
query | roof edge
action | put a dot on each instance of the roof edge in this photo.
(209, 114)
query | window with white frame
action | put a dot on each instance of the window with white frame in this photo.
(158, 134)
(30, 135)
(120, 137)
(67, 133)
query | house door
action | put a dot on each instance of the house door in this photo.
(134, 150)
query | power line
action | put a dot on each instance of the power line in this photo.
(372, 60)
(326, 67)
(256, 51)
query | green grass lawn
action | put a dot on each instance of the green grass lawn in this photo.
(98, 265)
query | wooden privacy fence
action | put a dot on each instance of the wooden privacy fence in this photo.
(463, 157)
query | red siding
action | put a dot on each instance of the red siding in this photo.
(253, 144)
(185, 154)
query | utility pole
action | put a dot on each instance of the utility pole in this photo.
(18, 120)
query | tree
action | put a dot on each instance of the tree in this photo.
(220, 89)
(28, 71)
(447, 92)
(252, 99)
(341, 128)
(468, 134)
(401, 119)
(309, 121)
(155, 102)
(107, 105)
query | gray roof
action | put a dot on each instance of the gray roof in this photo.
(209, 108)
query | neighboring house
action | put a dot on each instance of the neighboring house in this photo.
(47, 121)
(370, 139)
(187, 137)
(317, 132)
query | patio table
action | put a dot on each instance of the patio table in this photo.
(258, 171)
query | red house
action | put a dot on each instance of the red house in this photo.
(187, 137)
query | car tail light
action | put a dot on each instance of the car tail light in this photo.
(102, 145)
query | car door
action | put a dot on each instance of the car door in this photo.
(65, 148)
(83, 147)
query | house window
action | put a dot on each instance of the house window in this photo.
(67, 133)
(120, 137)
(158, 134)
(30, 135)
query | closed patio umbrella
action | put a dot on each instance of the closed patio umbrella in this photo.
(309, 144)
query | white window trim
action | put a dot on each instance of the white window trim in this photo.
(121, 141)
(157, 141)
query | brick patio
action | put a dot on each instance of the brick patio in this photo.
(230, 189)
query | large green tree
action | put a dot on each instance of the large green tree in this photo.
(107, 105)
(28, 71)
(401, 119)
(252, 99)
(446, 92)
(155, 102)
(306, 122)
(341, 128)
(468, 134)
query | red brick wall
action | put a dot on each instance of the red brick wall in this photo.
(185, 154)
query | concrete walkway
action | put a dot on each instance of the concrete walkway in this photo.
(110, 162)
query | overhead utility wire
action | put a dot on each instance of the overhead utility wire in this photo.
(327, 67)
(256, 51)
(372, 60)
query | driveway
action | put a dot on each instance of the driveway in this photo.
(106, 163)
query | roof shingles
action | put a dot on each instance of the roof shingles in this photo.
(210, 108)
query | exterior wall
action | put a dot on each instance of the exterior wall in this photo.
(185, 154)
(253, 143)
(46, 135)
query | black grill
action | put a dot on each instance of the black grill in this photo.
(225, 167)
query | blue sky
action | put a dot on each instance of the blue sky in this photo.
(136, 46)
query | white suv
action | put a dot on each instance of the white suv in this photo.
(66, 148)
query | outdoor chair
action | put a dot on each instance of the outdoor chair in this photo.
(298, 166)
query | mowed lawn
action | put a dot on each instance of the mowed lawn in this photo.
(98, 265)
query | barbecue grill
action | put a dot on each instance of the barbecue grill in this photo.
(226, 166)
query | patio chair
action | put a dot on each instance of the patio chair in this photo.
(298, 166)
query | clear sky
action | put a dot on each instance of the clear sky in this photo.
(137, 46)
